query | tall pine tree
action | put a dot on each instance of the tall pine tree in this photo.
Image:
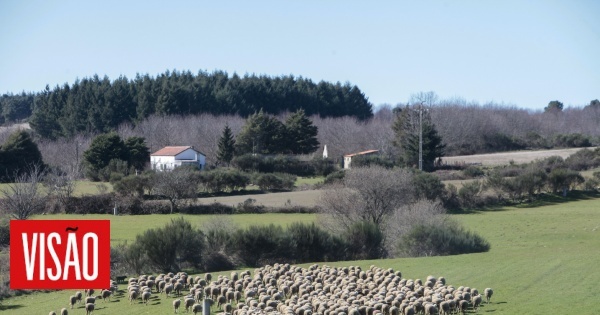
(301, 134)
(226, 146)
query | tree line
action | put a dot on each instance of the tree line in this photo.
(93, 105)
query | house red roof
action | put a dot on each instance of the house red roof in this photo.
(361, 153)
(171, 151)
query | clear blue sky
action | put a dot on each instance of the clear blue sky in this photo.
(516, 52)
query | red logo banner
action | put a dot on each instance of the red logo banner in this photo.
(59, 254)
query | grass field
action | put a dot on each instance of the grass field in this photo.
(543, 260)
(126, 227)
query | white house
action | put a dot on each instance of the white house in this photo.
(169, 158)
(348, 157)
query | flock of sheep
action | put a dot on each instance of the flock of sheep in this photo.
(283, 289)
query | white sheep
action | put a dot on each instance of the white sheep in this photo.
(176, 304)
(52, 313)
(106, 294)
(197, 308)
(72, 300)
(488, 292)
(64, 311)
(89, 308)
(146, 297)
(476, 301)
(188, 303)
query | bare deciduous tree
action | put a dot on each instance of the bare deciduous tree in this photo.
(23, 198)
(367, 194)
(177, 186)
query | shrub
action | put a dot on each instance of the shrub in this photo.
(563, 179)
(90, 204)
(311, 243)
(249, 206)
(334, 177)
(468, 194)
(322, 167)
(364, 240)
(220, 180)
(428, 186)
(173, 246)
(472, 172)
(592, 184)
(258, 245)
(275, 181)
(369, 160)
(449, 238)
(574, 140)
(583, 159)
(133, 185)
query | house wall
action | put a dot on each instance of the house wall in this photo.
(157, 162)
(347, 161)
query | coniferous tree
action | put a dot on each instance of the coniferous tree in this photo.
(226, 146)
(301, 134)
(137, 152)
(103, 149)
(262, 134)
(406, 128)
(17, 154)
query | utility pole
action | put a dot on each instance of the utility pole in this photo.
(421, 137)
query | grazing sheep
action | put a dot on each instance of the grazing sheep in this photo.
(146, 297)
(221, 300)
(488, 292)
(79, 296)
(72, 300)
(90, 299)
(207, 277)
(133, 295)
(197, 308)
(168, 289)
(177, 288)
(476, 301)
(89, 292)
(64, 311)
(176, 304)
(188, 303)
(89, 308)
(52, 313)
(463, 305)
(409, 310)
(106, 294)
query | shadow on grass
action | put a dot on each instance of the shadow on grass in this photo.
(10, 307)
(540, 200)
(556, 199)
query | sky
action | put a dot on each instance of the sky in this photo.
(509, 52)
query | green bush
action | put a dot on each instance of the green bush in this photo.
(468, 194)
(428, 186)
(449, 238)
(220, 180)
(174, 246)
(364, 240)
(583, 159)
(335, 177)
(368, 160)
(274, 181)
(574, 140)
(472, 172)
(132, 185)
(561, 179)
(258, 245)
(310, 243)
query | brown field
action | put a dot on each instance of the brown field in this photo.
(304, 198)
(518, 157)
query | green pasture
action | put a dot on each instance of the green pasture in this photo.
(543, 260)
(126, 227)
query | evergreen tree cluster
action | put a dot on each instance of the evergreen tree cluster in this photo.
(109, 153)
(99, 105)
(17, 155)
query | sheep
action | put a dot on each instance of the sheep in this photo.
(197, 308)
(221, 300)
(409, 310)
(476, 301)
(146, 297)
(79, 296)
(207, 277)
(106, 294)
(89, 292)
(488, 292)
(176, 304)
(188, 303)
(52, 313)
(90, 299)
(89, 308)
(463, 305)
(133, 295)
(64, 311)
(72, 300)
(177, 288)
(168, 289)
